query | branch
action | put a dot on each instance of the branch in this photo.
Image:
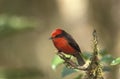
(95, 69)
(69, 63)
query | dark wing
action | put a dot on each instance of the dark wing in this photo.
(72, 42)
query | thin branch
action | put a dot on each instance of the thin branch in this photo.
(69, 63)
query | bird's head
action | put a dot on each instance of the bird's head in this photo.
(56, 33)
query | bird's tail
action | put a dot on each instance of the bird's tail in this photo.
(80, 60)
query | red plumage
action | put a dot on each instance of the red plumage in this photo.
(66, 44)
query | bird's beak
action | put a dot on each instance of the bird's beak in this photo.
(50, 38)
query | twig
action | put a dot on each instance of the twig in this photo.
(69, 63)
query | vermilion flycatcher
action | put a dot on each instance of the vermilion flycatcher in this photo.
(66, 44)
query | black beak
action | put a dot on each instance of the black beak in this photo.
(50, 38)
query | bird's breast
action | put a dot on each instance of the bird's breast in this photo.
(62, 45)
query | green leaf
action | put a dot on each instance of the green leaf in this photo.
(107, 59)
(103, 52)
(116, 61)
(87, 55)
(56, 62)
(79, 76)
(67, 71)
(106, 68)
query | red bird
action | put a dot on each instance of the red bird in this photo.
(66, 44)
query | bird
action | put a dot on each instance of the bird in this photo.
(65, 43)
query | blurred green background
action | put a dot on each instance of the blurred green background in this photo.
(25, 26)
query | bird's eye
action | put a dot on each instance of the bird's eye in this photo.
(57, 36)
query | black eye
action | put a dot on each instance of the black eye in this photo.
(57, 36)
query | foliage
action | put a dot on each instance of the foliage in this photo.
(66, 71)
(19, 73)
(56, 62)
(10, 24)
(116, 61)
